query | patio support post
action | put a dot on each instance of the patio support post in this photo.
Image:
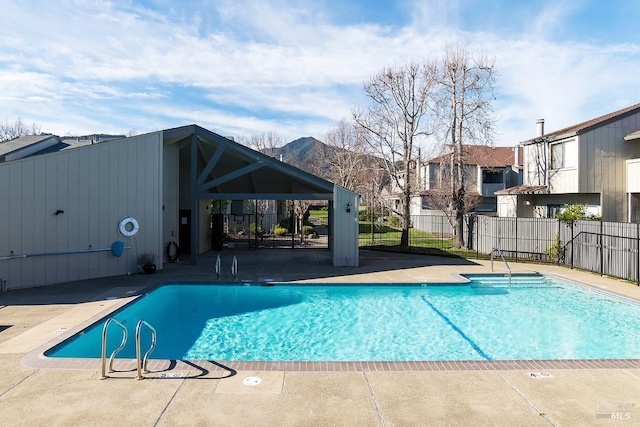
(194, 200)
(256, 227)
(638, 253)
(601, 248)
(293, 226)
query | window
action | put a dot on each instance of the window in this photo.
(492, 177)
(486, 207)
(554, 210)
(557, 156)
(426, 203)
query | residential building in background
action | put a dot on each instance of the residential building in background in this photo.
(592, 163)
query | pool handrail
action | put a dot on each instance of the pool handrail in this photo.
(104, 346)
(218, 266)
(234, 267)
(503, 260)
(141, 364)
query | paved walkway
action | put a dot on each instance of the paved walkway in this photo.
(190, 395)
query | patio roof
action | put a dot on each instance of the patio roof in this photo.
(230, 171)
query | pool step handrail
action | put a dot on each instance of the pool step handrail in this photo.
(503, 260)
(218, 266)
(141, 363)
(234, 267)
(105, 328)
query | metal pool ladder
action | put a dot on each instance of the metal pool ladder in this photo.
(105, 328)
(141, 363)
(503, 260)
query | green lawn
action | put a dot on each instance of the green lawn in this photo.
(321, 215)
(388, 238)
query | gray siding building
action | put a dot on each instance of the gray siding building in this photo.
(62, 212)
(586, 163)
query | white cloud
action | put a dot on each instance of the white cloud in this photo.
(252, 66)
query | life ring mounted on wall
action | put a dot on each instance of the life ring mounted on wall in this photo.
(172, 251)
(128, 226)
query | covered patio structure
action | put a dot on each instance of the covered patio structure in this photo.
(200, 166)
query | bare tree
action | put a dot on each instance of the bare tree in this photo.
(396, 121)
(266, 142)
(11, 130)
(349, 161)
(465, 94)
(439, 197)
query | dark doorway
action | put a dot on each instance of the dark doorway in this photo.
(184, 231)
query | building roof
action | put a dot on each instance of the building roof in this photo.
(632, 136)
(16, 144)
(484, 156)
(524, 189)
(585, 126)
(33, 145)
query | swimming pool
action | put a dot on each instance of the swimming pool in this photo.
(539, 318)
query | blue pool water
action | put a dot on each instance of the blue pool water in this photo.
(540, 318)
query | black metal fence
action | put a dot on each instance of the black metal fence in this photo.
(607, 248)
(272, 231)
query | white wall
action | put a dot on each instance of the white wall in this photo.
(565, 179)
(507, 205)
(633, 176)
(96, 186)
(345, 228)
(535, 161)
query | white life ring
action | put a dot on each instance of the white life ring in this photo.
(128, 226)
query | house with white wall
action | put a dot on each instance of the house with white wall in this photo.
(591, 163)
(487, 170)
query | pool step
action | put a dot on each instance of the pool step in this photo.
(504, 281)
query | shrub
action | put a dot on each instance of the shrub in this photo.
(146, 258)
(307, 230)
(364, 214)
(279, 231)
(285, 223)
(555, 251)
(577, 212)
(252, 229)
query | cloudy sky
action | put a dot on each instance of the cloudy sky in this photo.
(243, 67)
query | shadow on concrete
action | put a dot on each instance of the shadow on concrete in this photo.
(263, 265)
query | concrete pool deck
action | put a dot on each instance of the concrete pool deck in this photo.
(597, 393)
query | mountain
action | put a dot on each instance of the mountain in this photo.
(304, 151)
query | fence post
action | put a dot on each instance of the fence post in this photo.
(558, 259)
(441, 232)
(601, 248)
(516, 239)
(638, 253)
(477, 243)
(572, 241)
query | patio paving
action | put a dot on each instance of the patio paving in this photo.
(290, 395)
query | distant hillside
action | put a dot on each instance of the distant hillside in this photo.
(303, 151)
